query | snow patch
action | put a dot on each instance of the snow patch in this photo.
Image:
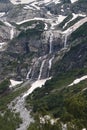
(53, 22)
(47, 119)
(49, 13)
(16, 2)
(35, 5)
(14, 83)
(2, 14)
(76, 81)
(36, 84)
(2, 46)
(7, 24)
(75, 26)
(57, 21)
(73, 1)
(27, 7)
(46, 26)
(74, 17)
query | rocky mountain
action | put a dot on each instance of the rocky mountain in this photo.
(45, 40)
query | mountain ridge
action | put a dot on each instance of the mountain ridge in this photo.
(39, 41)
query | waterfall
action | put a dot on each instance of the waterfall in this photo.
(50, 62)
(12, 33)
(41, 69)
(28, 74)
(65, 41)
(51, 39)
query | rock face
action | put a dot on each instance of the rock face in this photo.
(25, 55)
(34, 37)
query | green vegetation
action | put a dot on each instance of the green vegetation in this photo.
(47, 126)
(2, 24)
(71, 23)
(30, 32)
(67, 103)
(81, 32)
(9, 121)
(31, 23)
(4, 86)
(82, 1)
(36, 31)
(7, 98)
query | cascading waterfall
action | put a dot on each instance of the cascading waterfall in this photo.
(28, 74)
(41, 69)
(65, 41)
(50, 62)
(51, 39)
(20, 102)
(12, 33)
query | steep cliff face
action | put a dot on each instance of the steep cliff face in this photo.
(75, 58)
(34, 35)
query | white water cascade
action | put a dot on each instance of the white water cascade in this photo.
(28, 74)
(12, 33)
(51, 39)
(50, 62)
(65, 41)
(41, 69)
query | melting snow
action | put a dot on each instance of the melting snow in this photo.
(58, 20)
(14, 83)
(75, 26)
(35, 5)
(74, 17)
(47, 119)
(36, 84)
(31, 1)
(2, 46)
(2, 14)
(21, 1)
(72, 1)
(76, 81)
(53, 22)
(7, 24)
(27, 7)
(46, 26)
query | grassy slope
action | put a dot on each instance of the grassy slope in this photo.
(8, 119)
(67, 103)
